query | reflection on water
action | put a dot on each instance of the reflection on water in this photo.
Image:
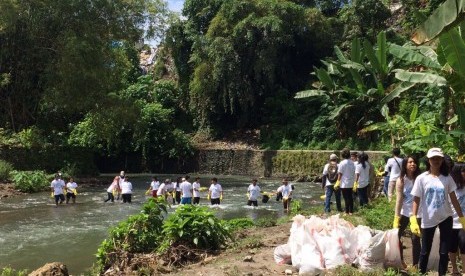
(34, 232)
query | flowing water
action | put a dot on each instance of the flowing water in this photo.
(34, 232)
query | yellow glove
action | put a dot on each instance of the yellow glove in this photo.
(208, 196)
(395, 223)
(248, 196)
(221, 197)
(336, 186)
(52, 194)
(354, 189)
(414, 226)
(148, 191)
(462, 221)
(74, 191)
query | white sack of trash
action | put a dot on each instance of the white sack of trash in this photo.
(316, 245)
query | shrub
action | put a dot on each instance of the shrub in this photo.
(5, 170)
(29, 181)
(196, 227)
(8, 271)
(266, 222)
(239, 223)
(139, 233)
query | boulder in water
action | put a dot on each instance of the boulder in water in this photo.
(51, 269)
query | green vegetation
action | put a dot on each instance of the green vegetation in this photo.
(139, 233)
(8, 271)
(30, 181)
(239, 223)
(5, 170)
(194, 226)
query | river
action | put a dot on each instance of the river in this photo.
(34, 232)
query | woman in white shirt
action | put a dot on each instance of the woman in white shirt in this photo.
(433, 193)
(215, 193)
(253, 192)
(71, 190)
(404, 201)
(457, 240)
(286, 191)
(362, 178)
(126, 190)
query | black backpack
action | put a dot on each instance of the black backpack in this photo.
(332, 172)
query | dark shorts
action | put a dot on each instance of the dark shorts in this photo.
(70, 195)
(252, 202)
(215, 201)
(127, 198)
(154, 193)
(59, 198)
(196, 200)
(186, 200)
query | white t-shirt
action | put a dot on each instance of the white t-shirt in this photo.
(215, 190)
(196, 189)
(254, 192)
(169, 187)
(70, 186)
(177, 186)
(395, 163)
(58, 185)
(460, 194)
(407, 203)
(186, 189)
(161, 189)
(434, 198)
(154, 185)
(386, 169)
(126, 187)
(347, 169)
(285, 190)
(112, 187)
(364, 174)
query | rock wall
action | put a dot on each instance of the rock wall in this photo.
(268, 163)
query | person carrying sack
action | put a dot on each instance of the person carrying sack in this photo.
(330, 174)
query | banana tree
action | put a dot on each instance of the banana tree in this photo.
(358, 86)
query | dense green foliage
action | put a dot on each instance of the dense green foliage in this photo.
(194, 226)
(239, 223)
(8, 271)
(139, 233)
(5, 170)
(30, 181)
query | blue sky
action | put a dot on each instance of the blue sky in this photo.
(175, 5)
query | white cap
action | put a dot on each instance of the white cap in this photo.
(434, 152)
(183, 179)
(333, 156)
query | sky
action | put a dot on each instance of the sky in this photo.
(175, 5)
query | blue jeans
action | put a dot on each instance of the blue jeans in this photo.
(386, 185)
(329, 192)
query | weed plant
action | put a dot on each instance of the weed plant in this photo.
(266, 222)
(5, 169)
(8, 271)
(239, 223)
(30, 181)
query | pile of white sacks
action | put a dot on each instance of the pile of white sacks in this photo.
(317, 244)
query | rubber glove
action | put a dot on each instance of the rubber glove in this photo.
(221, 197)
(462, 221)
(395, 223)
(354, 189)
(147, 192)
(248, 196)
(74, 191)
(52, 194)
(414, 226)
(336, 186)
(208, 196)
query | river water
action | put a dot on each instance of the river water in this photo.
(34, 232)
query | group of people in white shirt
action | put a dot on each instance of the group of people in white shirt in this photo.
(59, 189)
(352, 175)
(121, 188)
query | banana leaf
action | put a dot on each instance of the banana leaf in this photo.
(448, 15)
(420, 77)
(338, 111)
(412, 56)
(370, 54)
(381, 53)
(313, 93)
(454, 50)
(339, 54)
(402, 87)
(413, 114)
(325, 78)
(356, 51)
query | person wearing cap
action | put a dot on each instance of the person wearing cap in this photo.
(253, 192)
(393, 166)
(186, 191)
(328, 180)
(345, 180)
(57, 186)
(434, 193)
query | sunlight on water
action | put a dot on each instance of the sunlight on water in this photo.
(34, 232)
